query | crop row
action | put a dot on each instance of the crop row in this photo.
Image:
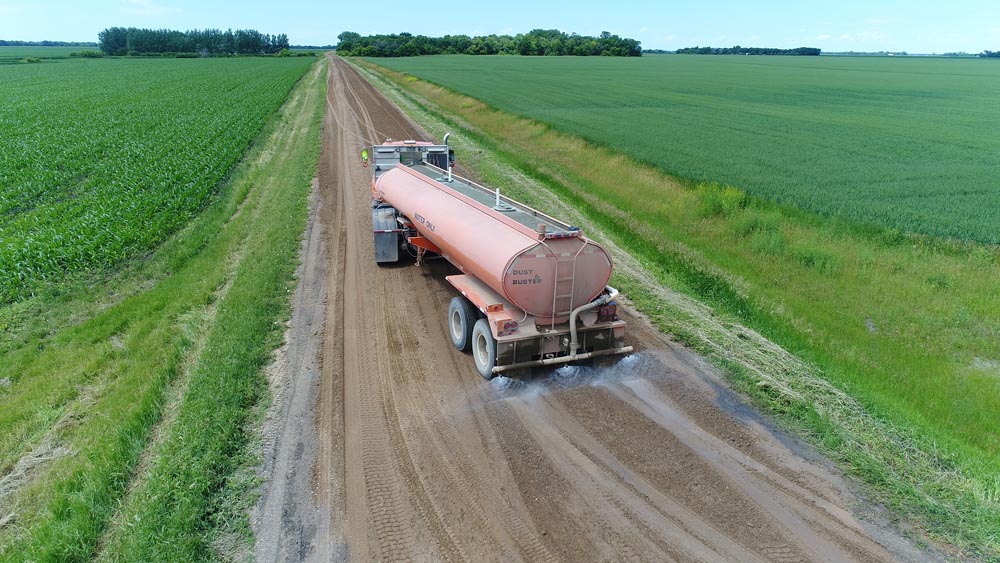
(100, 160)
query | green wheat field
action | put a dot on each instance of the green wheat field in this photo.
(909, 144)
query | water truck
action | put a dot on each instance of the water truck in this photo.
(532, 290)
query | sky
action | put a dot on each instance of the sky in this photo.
(846, 25)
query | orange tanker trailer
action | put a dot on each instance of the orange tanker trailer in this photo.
(533, 289)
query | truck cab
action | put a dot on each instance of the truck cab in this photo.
(393, 153)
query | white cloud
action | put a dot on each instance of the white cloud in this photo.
(881, 20)
(670, 37)
(824, 37)
(9, 9)
(143, 8)
(995, 30)
(870, 35)
(938, 36)
(644, 30)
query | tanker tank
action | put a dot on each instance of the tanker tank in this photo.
(533, 291)
(542, 266)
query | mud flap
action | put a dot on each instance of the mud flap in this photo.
(386, 243)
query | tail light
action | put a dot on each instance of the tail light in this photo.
(506, 326)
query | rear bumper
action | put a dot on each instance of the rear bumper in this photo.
(529, 343)
(553, 346)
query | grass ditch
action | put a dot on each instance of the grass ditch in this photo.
(210, 432)
(708, 242)
(92, 366)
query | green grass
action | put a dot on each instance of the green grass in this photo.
(907, 326)
(904, 143)
(227, 382)
(101, 160)
(12, 55)
(93, 363)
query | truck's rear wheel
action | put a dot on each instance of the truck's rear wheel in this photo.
(484, 348)
(461, 318)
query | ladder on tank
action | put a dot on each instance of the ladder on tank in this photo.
(565, 285)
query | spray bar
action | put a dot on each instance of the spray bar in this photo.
(564, 359)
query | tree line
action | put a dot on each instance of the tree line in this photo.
(990, 54)
(117, 41)
(538, 42)
(737, 50)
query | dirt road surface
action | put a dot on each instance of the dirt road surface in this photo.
(384, 444)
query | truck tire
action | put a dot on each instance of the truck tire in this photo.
(484, 348)
(461, 318)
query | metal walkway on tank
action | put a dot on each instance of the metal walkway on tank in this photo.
(515, 210)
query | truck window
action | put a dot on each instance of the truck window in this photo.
(410, 157)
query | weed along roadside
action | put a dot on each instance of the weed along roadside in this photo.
(837, 327)
(154, 378)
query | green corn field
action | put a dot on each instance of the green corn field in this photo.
(101, 160)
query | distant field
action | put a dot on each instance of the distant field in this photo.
(100, 159)
(10, 55)
(905, 143)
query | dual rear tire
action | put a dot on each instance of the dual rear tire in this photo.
(484, 348)
(461, 318)
(468, 330)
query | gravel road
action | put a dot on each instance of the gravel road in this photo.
(384, 444)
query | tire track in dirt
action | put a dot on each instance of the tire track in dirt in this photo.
(419, 459)
(329, 539)
(467, 477)
(376, 514)
(624, 523)
(291, 521)
(792, 504)
(683, 529)
(358, 106)
(394, 396)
